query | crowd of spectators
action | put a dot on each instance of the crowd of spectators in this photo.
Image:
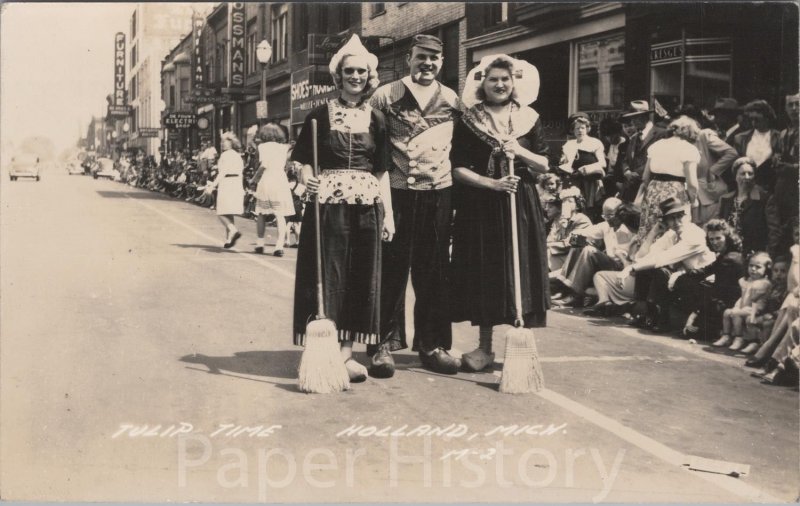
(684, 224)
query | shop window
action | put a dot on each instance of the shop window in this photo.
(600, 74)
(252, 62)
(690, 71)
(495, 13)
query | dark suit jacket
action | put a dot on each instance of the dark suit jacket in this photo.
(636, 158)
(765, 173)
(753, 218)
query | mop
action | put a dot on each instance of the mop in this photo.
(522, 372)
(322, 369)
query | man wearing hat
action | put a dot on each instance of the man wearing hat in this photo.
(683, 244)
(638, 119)
(420, 115)
(726, 113)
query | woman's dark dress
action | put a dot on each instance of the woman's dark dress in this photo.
(351, 222)
(482, 268)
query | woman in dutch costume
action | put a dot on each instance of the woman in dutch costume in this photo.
(355, 206)
(497, 124)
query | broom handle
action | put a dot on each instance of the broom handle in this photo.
(317, 230)
(512, 197)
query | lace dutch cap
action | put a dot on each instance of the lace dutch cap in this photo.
(354, 47)
(524, 75)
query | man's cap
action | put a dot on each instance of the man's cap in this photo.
(427, 42)
(726, 104)
(637, 107)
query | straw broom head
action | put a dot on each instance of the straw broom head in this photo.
(322, 370)
(522, 373)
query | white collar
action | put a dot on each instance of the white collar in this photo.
(423, 94)
(647, 128)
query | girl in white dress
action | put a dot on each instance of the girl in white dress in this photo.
(273, 195)
(230, 191)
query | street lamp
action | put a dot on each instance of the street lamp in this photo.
(263, 54)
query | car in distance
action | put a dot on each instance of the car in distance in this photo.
(24, 166)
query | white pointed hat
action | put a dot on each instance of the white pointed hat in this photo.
(525, 76)
(353, 47)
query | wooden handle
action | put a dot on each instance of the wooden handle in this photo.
(512, 200)
(317, 228)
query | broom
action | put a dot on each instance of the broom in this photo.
(522, 373)
(322, 369)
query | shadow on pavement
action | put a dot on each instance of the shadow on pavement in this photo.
(275, 364)
(206, 247)
(133, 195)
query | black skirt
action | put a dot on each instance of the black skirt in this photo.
(351, 266)
(482, 268)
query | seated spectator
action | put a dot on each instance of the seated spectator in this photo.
(788, 311)
(759, 327)
(548, 184)
(760, 143)
(682, 246)
(703, 294)
(565, 218)
(586, 256)
(785, 358)
(751, 304)
(745, 208)
(782, 206)
(583, 161)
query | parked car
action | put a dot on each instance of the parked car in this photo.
(104, 168)
(74, 167)
(24, 166)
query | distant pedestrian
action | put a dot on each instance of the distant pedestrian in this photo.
(273, 196)
(230, 191)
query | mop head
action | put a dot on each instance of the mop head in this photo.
(322, 370)
(522, 373)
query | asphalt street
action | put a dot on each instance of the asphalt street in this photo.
(141, 361)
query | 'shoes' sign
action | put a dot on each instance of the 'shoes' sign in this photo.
(237, 36)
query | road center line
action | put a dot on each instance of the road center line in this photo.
(653, 447)
(213, 240)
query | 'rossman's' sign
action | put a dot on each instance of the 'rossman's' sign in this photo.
(237, 36)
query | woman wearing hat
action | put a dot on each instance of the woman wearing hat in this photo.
(671, 172)
(355, 206)
(583, 158)
(498, 123)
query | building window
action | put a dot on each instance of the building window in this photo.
(280, 41)
(344, 17)
(495, 13)
(184, 91)
(171, 102)
(133, 25)
(449, 73)
(690, 71)
(134, 55)
(252, 62)
(376, 9)
(600, 74)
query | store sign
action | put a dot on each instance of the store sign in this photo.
(310, 88)
(236, 34)
(198, 23)
(148, 132)
(180, 120)
(206, 96)
(120, 97)
(118, 111)
(666, 52)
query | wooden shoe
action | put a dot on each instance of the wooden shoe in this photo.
(477, 360)
(356, 371)
(382, 363)
(440, 361)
